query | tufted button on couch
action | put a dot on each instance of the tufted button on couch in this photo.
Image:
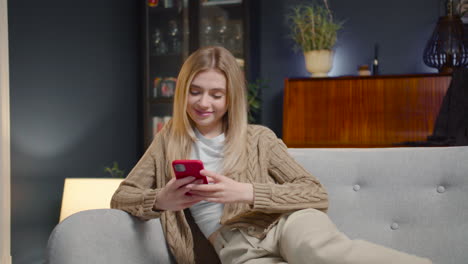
(410, 199)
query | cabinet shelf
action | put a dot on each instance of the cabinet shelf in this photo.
(176, 57)
(222, 3)
(162, 10)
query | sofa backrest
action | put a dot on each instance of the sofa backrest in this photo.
(410, 199)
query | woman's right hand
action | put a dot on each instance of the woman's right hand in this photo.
(173, 196)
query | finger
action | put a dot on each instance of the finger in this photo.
(187, 189)
(171, 184)
(210, 180)
(215, 177)
(196, 182)
(171, 181)
(179, 193)
(198, 196)
(202, 195)
(199, 181)
(208, 173)
(182, 192)
(184, 181)
(203, 187)
(192, 199)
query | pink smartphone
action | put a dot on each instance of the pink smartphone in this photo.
(185, 168)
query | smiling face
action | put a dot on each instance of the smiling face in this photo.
(206, 102)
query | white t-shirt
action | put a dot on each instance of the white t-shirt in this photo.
(207, 215)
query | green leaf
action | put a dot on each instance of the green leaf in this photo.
(115, 171)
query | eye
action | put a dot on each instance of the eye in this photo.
(217, 96)
(194, 92)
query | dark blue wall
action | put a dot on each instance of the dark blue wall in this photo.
(401, 28)
(75, 78)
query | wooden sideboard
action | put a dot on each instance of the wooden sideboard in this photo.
(373, 111)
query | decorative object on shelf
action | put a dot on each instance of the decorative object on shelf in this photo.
(153, 3)
(174, 37)
(164, 87)
(156, 85)
(375, 62)
(314, 31)
(168, 87)
(446, 49)
(168, 3)
(159, 45)
(363, 70)
(319, 62)
(221, 29)
(207, 32)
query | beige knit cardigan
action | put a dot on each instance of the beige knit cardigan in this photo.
(280, 184)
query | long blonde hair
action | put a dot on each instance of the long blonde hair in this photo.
(181, 129)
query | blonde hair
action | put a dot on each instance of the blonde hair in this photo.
(181, 128)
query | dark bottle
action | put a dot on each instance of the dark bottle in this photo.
(375, 63)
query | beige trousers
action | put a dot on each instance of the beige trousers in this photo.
(305, 236)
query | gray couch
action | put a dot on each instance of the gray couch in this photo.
(410, 199)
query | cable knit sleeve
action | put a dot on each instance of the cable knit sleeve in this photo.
(294, 187)
(137, 193)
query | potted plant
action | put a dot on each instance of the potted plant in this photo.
(115, 171)
(254, 100)
(314, 31)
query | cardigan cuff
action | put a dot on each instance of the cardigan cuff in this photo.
(262, 196)
(149, 198)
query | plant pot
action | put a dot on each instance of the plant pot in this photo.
(318, 62)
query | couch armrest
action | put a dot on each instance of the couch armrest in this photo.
(107, 236)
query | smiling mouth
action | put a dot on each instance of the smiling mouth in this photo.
(202, 113)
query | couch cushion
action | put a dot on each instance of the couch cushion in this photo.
(410, 199)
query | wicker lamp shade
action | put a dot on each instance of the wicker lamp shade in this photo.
(446, 50)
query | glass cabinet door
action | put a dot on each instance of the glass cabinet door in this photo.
(165, 46)
(172, 30)
(221, 23)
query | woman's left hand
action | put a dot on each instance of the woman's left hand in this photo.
(222, 189)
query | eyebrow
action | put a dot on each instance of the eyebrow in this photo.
(199, 87)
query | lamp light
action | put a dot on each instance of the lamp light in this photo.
(446, 50)
(81, 194)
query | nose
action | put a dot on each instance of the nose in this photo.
(204, 101)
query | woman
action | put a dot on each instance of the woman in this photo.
(261, 206)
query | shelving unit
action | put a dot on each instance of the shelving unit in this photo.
(171, 34)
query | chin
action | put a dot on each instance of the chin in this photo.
(204, 124)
